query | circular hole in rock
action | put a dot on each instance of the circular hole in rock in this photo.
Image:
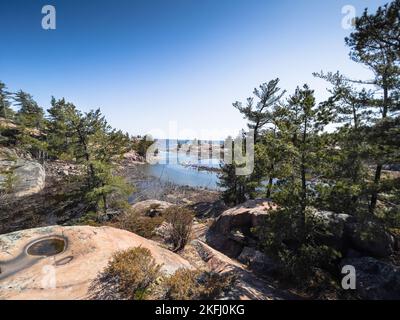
(46, 247)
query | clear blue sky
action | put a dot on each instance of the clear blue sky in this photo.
(145, 63)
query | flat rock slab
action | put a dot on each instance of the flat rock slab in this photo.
(69, 274)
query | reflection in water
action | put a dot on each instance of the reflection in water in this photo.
(32, 253)
(46, 247)
(175, 169)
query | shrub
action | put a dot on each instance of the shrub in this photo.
(9, 181)
(187, 284)
(132, 272)
(182, 285)
(134, 222)
(181, 220)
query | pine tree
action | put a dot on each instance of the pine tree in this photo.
(374, 43)
(30, 117)
(259, 114)
(29, 114)
(302, 122)
(97, 147)
(5, 110)
(61, 137)
(345, 173)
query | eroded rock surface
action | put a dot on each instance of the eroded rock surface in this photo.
(247, 285)
(68, 275)
(27, 177)
(231, 231)
(151, 208)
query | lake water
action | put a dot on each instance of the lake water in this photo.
(175, 168)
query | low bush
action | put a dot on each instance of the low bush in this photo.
(181, 221)
(187, 284)
(131, 273)
(137, 223)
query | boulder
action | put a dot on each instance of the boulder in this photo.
(247, 285)
(346, 234)
(132, 157)
(375, 280)
(70, 273)
(336, 227)
(28, 176)
(258, 261)
(231, 231)
(370, 239)
(151, 208)
(209, 209)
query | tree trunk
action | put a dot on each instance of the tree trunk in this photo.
(105, 203)
(378, 171)
(303, 183)
(269, 188)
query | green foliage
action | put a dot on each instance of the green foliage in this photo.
(29, 114)
(374, 44)
(5, 110)
(62, 140)
(259, 114)
(282, 236)
(89, 140)
(103, 183)
(141, 145)
(32, 142)
(70, 135)
(233, 185)
(237, 188)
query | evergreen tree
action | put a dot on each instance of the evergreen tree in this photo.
(97, 147)
(237, 188)
(29, 114)
(61, 137)
(345, 173)
(5, 110)
(30, 117)
(259, 114)
(373, 43)
(142, 144)
(303, 122)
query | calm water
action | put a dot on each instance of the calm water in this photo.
(173, 168)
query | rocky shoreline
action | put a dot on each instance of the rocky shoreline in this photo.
(221, 241)
(55, 199)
